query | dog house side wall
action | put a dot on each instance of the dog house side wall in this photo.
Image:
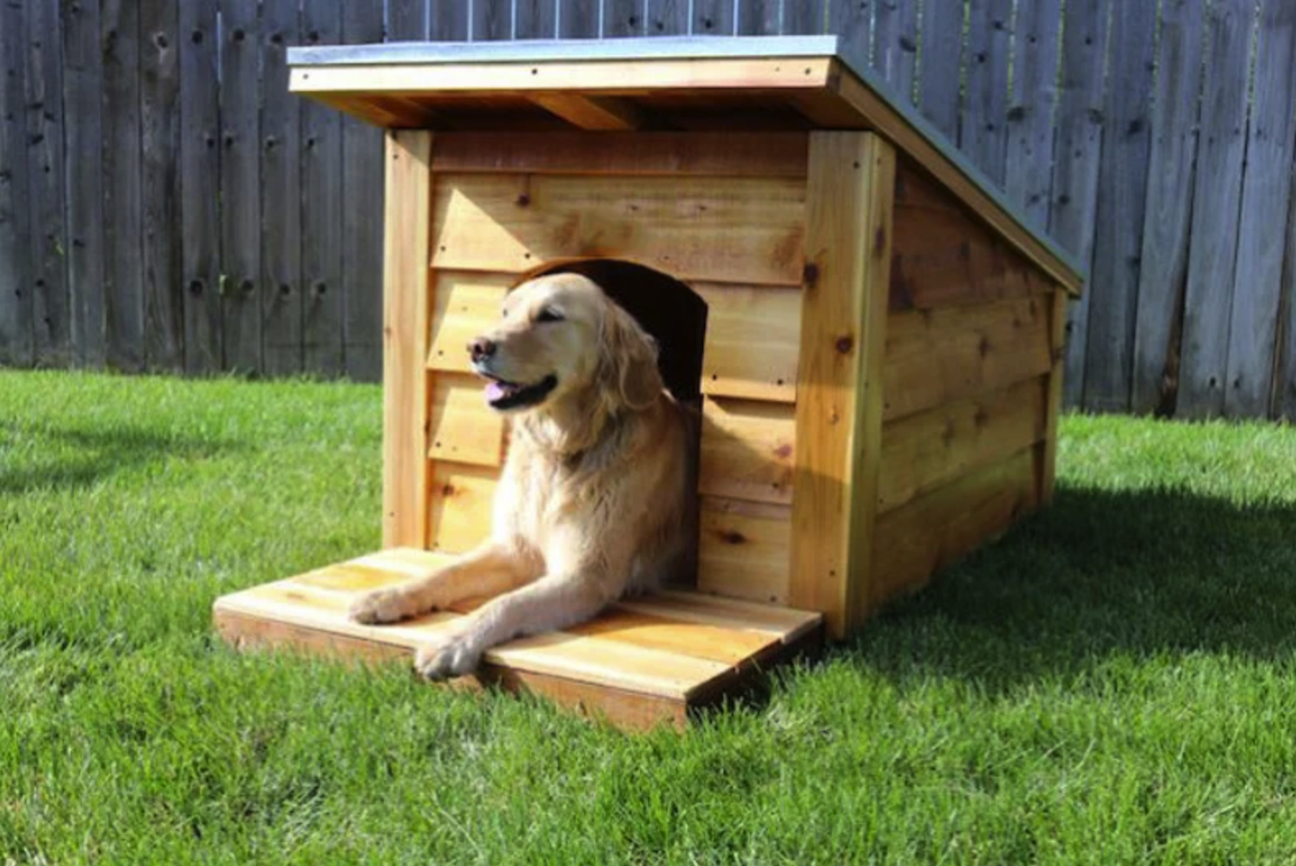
(725, 216)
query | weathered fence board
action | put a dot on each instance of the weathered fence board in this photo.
(1208, 299)
(1257, 275)
(1168, 211)
(197, 217)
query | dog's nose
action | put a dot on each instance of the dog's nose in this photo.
(481, 348)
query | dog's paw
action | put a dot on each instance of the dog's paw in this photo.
(450, 656)
(383, 605)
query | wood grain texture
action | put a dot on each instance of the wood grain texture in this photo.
(492, 20)
(936, 530)
(851, 185)
(812, 16)
(460, 499)
(1046, 462)
(1266, 195)
(464, 306)
(942, 256)
(852, 20)
(1077, 155)
(758, 17)
(740, 230)
(983, 130)
(462, 428)
(449, 20)
(752, 343)
(200, 226)
(601, 113)
(1208, 299)
(240, 185)
(1167, 215)
(941, 67)
(942, 356)
(1122, 196)
(535, 19)
(322, 213)
(83, 130)
(744, 550)
(46, 189)
(623, 18)
(578, 19)
(405, 314)
(696, 154)
(1285, 393)
(747, 450)
(282, 295)
(1029, 176)
(713, 18)
(15, 263)
(667, 17)
(895, 44)
(407, 20)
(928, 450)
(160, 134)
(362, 240)
(123, 225)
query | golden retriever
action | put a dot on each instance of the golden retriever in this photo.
(592, 501)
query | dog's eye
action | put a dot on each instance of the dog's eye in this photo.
(548, 315)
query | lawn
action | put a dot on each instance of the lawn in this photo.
(1114, 682)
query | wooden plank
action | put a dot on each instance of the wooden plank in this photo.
(1266, 194)
(983, 124)
(738, 230)
(321, 213)
(535, 19)
(459, 510)
(578, 19)
(122, 216)
(674, 154)
(362, 241)
(784, 623)
(895, 45)
(713, 18)
(1122, 191)
(51, 303)
(1285, 390)
(941, 69)
(1167, 214)
(758, 17)
(1030, 112)
(83, 134)
(708, 642)
(851, 185)
(813, 16)
(16, 335)
(752, 342)
(1208, 298)
(407, 20)
(852, 20)
(605, 113)
(1076, 157)
(281, 193)
(200, 226)
(744, 550)
(491, 20)
(240, 185)
(667, 17)
(462, 427)
(164, 320)
(942, 356)
(747, 450)
(449, 21)
(622, 18)
(1046, 458)
(464, 306)
(405, 314)
(931, 449)
(936, 530)
(943, 256)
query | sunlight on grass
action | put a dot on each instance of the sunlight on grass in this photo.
(1111, 683)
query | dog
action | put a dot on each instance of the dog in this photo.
(592, 502)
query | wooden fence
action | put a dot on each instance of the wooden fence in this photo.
(165, 204)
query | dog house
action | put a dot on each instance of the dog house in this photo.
(872, 335)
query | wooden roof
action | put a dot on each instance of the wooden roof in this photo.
(688, 83)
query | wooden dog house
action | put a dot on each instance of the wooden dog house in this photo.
(872, 334)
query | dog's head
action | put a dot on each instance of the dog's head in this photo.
(559, 336)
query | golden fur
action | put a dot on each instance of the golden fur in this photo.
(591, 504)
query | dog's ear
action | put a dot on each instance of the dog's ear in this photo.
(627, 362)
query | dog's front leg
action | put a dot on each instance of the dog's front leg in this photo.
(489, 569)
(552, 602)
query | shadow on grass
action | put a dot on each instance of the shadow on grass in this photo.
(1100, 574)
(68, 459)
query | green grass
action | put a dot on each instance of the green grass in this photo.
(1112, 683)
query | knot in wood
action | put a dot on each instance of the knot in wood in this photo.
(845, 344)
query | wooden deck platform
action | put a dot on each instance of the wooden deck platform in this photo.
(644, 662)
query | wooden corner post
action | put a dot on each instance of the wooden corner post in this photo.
(406, 260)
(850, 189)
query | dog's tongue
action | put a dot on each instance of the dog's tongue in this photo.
(499, 390)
